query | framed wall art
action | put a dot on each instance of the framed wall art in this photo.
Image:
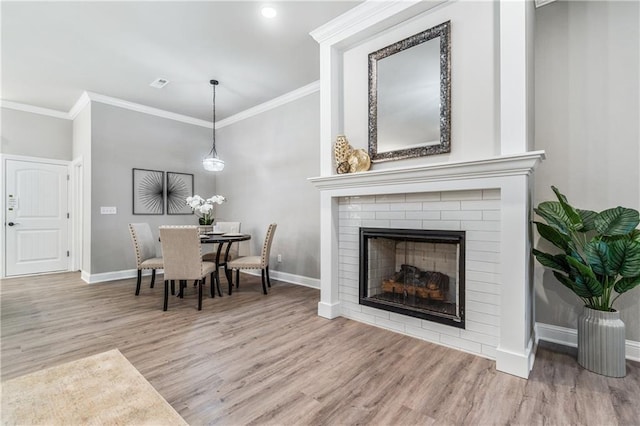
(148, 192)
(179, 187)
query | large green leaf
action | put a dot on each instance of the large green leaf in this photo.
(552, 261)
(624, 257)
(575, 220)
(553, 236)
(588, 219)
(617, 221)
(597, 253)
(552, 212)
(635, 235)
(578, 289)
(626, 284)
(585, 276)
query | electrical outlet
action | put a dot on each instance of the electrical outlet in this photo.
(108, 210)
(279, 258)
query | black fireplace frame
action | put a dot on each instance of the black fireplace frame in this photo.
(421, 236)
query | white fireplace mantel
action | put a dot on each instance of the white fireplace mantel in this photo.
(501, 166)
(510, 174)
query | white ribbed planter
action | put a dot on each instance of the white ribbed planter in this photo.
(601, 342)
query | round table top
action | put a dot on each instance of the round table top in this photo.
(218, 237)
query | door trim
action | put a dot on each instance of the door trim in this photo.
(3, 190)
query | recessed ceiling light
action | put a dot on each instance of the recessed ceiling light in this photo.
(159, 83)
(269, 12)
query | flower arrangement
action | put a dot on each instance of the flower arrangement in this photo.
(204, 208)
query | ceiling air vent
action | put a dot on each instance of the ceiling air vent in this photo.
(159, 83)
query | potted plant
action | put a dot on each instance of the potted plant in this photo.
(204, 208)
(599, 261)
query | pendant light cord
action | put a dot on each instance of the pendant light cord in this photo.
(213, 151)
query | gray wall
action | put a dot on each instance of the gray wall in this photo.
(587, 121)
(35, 135)
(121, 140)
(268, 160)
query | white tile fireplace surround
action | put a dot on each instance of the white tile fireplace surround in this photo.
(490, 200)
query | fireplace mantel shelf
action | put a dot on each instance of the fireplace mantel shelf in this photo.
(506, 165)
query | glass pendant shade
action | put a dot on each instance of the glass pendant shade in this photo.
(212, 163)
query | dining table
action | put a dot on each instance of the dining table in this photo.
(222, 239)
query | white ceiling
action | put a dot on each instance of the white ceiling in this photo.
(53, 51)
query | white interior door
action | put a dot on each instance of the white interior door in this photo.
(36, 218)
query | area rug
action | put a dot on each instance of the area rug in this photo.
(103, 389)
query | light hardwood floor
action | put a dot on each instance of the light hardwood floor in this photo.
(255, 359)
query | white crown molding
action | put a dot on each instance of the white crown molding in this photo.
(540, 3)
(96, 97)
(273, 103)
(88, 97)
(34, 109)
(569, 337)
(80, 104)
(367, 16)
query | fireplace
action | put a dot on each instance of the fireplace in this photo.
(414, 272)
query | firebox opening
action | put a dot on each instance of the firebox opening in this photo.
(419, 273)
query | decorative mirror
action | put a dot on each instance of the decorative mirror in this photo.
(409, 97)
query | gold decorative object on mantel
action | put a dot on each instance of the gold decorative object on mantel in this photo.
(359, 161)
(349, 160)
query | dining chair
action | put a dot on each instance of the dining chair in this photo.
(145, 249)
(182, 252)
(226, 227)
(255, 262)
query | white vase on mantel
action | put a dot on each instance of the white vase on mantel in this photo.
(601, 342)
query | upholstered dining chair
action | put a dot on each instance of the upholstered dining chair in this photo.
(182, 253)
(255, 262)
(226, 227)
(145, 249)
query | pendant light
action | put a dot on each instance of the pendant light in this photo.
(212, 163)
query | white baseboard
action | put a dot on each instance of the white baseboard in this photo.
(569, 337)
(113, 276)
(287, 277)
(132, 273)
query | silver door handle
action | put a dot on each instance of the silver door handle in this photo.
(13, 223)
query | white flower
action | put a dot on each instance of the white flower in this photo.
(217, 199)
(202, 206)
(206, 208)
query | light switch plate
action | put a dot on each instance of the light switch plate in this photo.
(108, 210)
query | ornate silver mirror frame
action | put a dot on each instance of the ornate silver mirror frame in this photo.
(427, 145)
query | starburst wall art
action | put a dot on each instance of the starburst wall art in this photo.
(148, 192)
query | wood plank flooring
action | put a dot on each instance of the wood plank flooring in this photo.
(255, 359)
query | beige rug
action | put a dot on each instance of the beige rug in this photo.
(103, 389)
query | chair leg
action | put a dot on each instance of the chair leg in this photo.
(227, 273)
(237, 278)
(200, 283)
(212, 290)
(230, 285)
(153, 277)
(173, 288)
(138, 282)
(268, 280)
(166, 295)
(264, 282)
